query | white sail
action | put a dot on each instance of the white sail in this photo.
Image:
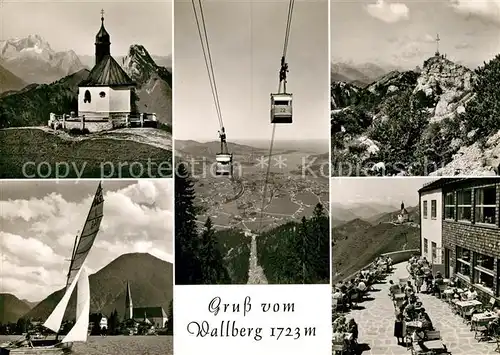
(80, 251)
(80, 329)
(55, 319)
(88, 235)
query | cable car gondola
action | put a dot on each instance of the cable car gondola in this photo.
(281, 103)
(224, 164)
(281, 108)
(224, 159)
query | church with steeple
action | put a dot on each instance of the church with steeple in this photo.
(155, 316)
(108, 90)
(403, 215)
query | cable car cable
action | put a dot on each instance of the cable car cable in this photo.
(283, 70)
(202, 32)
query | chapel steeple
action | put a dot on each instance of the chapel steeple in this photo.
(129, 307)
(102, 42)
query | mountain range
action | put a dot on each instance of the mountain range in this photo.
(34, 61)
(151, 285)
(432, 121)
(32, 105)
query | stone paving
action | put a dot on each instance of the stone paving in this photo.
(376, 323)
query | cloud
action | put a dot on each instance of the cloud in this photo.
(37, 235)
(388, 12)
(488, 9)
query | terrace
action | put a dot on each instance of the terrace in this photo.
(375, 317)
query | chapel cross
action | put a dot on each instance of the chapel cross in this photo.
(102, 14)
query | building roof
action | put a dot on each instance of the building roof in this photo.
(107, 73)
(150, 312)
(444, 182)
(103, 35)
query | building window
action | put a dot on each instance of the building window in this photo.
(433, 209)
(425, 209)
(464, 210)
(484, 271)
(464, 262)
(434, 251)
(426, 246)
(486, 200)
(102, 94)
(449, 206)
(87, 98)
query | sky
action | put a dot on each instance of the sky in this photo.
(67, 24)
(39, 222)
(387, 191)
(402, 32)
(246, 44)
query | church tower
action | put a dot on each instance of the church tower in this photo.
(402, 206)
(102, 42)
(129, 307)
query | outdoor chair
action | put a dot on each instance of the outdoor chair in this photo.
(481, 332)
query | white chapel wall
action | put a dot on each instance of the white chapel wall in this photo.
(98, 107)
(119, 100)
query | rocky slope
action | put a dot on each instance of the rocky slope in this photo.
(151, 285)
(9, 81)
(34, 61)
(418, 122)
(154, 88)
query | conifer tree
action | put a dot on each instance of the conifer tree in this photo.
(188, 268)
(211, 259)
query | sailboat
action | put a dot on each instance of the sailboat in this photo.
(77, 275)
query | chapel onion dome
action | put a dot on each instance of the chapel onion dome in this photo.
(103, 35)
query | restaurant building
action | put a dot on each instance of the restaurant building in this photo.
(460, 224)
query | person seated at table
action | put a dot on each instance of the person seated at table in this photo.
(337, 294)
(362, 288)
(352, 327)
(409, 312)
(393, 289)
(439, 280)
(471, 294)
(343, 287)
(494, 325)
(412, 298)
(409, 288)
(365, 273)
(423, 317)
(339, 325)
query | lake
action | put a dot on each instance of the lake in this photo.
(118, 345)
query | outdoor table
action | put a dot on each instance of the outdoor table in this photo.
(464, 305)
(446, 281)
(482, 318)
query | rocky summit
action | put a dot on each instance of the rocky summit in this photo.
(33, 60)
(431, 121)
(154, 83)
